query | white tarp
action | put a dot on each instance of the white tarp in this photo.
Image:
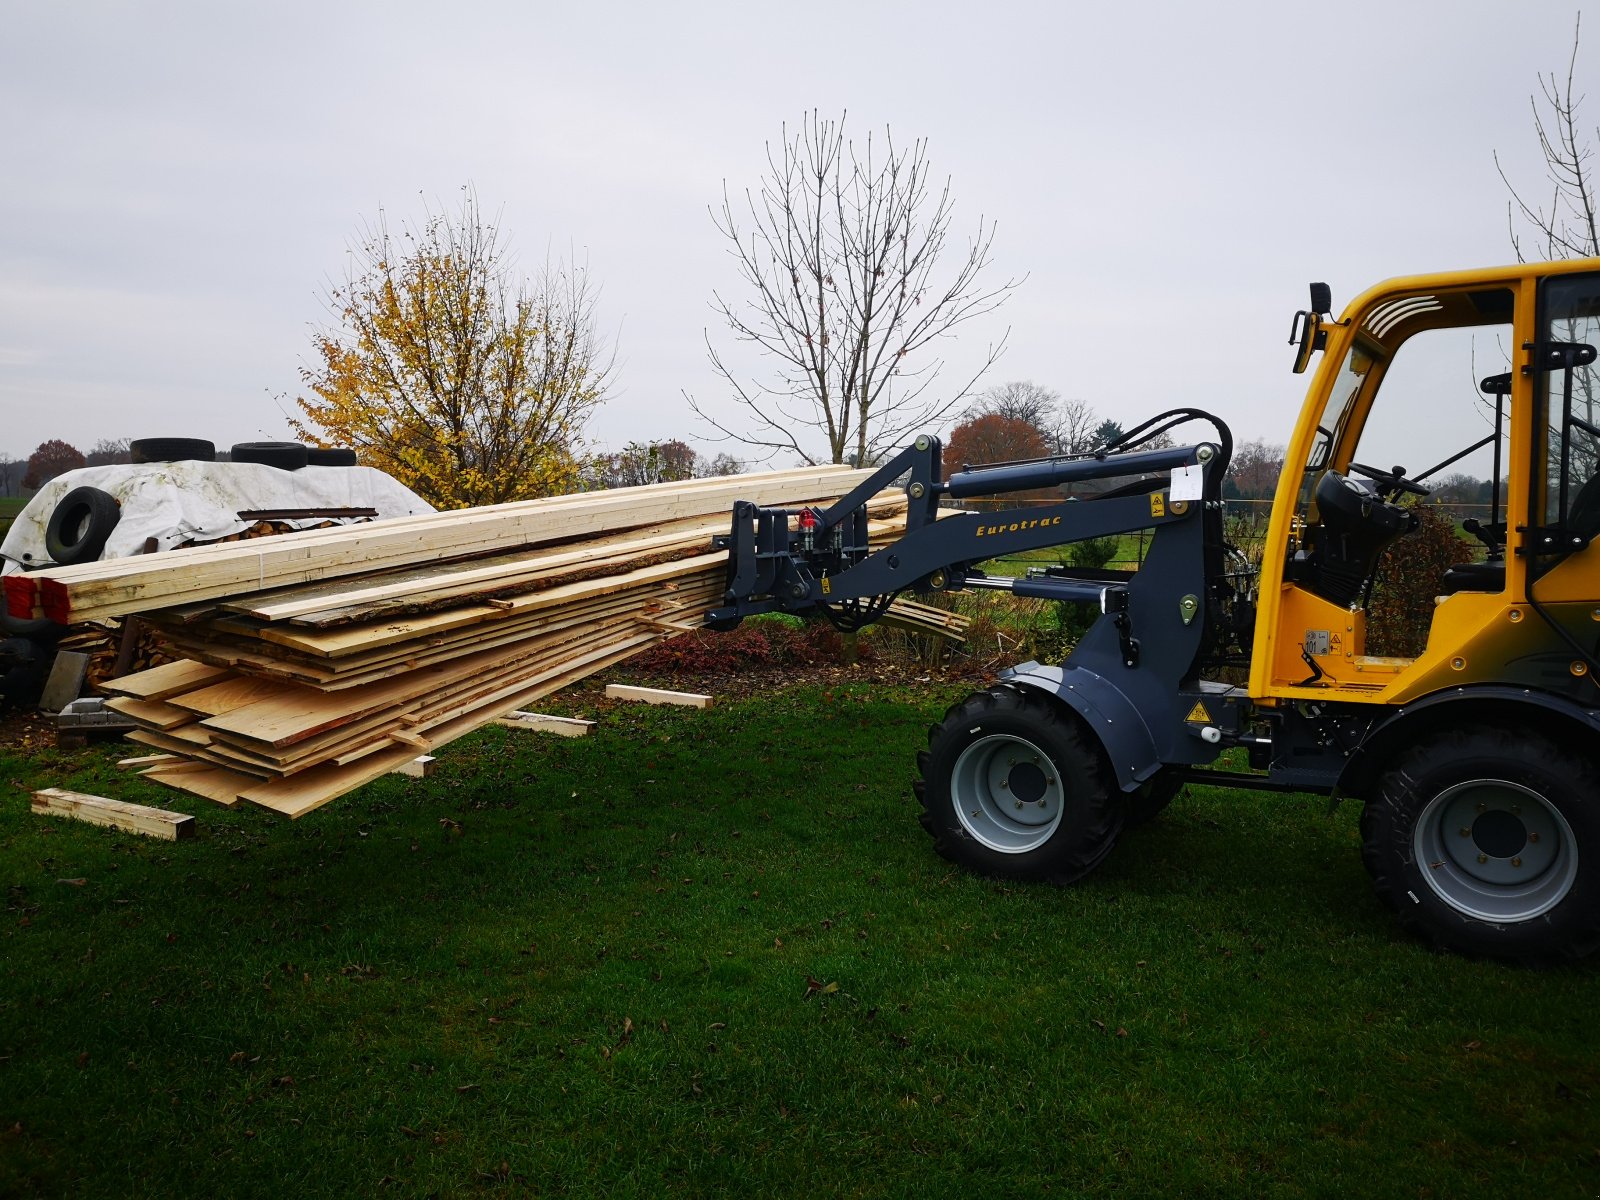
(182, 502)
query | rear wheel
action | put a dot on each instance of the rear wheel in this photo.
(1487, 841)
(1013, 787)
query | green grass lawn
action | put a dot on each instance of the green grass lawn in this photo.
(711, 953)
(10, 506)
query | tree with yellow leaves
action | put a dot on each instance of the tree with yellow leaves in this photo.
(465, 383)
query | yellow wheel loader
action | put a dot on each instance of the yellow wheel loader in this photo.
(1476, 755)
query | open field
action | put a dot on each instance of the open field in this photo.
(711, 953)
(10, 506)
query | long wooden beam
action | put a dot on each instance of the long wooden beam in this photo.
(107, 589)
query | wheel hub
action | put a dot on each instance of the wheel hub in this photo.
(1495, 850)
(1007, 793)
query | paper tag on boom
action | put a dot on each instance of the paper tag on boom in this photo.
(1186, 483)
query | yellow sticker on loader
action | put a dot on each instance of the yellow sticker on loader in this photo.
(1198, 714)
(1158, 504)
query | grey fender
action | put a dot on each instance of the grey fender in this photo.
(1106, 712)
(1557, 717)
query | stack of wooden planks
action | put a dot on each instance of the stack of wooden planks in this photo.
(316, 662)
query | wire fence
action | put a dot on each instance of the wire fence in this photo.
(1246, 526)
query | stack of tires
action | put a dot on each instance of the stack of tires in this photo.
(83, 521)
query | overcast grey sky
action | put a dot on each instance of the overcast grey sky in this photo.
(182, 179)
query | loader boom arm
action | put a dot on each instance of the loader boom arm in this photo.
(798, 560)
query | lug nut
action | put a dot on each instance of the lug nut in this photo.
(1482, 807)
(1019, 804)
(1483, 858)
(1465, 832)
(1516, 862)
(1005, 783)
(1533, 837)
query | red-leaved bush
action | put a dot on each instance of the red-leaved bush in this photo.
(756, 643)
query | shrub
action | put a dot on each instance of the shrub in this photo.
(1409, 575)
(776, 640)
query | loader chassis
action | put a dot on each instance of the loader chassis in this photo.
(1475, 759)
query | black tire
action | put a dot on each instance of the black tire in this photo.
(331, 456)
(41, 629)
(286, 456)
(79, 526)
(1486, 841)
(1152, 798)
(1012, 786)
(21, 686)
(158, 450)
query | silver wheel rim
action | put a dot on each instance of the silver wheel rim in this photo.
(1495, 850)
(1007, 793)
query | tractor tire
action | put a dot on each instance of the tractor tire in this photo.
(79, 526)
(1152, 798)
(286, 456)
(176, 449)
(1486, 841)
(330, 456)
(1012, 786)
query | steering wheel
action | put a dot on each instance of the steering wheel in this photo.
(1391, 481)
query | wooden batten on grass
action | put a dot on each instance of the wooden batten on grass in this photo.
(98, 810)
(645, 695)
(570, 727)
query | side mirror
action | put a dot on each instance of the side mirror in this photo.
(1306, 333)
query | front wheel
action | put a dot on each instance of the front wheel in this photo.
(1013, 787)
(1487, 841)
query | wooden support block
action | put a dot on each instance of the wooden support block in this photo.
(97, 810)
(570, 727)
(623, 691)
(415, 740)
(418, 768)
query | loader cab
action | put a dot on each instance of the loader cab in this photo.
(1442, 460)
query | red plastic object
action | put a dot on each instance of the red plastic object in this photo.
(55, 600)
(808, 519)
(20, 597)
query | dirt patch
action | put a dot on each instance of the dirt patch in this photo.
(27, 730)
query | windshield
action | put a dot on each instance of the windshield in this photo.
(1353, 372)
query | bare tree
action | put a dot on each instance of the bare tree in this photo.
(841, 247)
(11, 470)
(1567, 226)
(1068, 424)
(109, 452)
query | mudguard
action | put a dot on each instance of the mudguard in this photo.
(1106, 710)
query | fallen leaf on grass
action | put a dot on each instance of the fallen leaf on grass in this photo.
(78, 882)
